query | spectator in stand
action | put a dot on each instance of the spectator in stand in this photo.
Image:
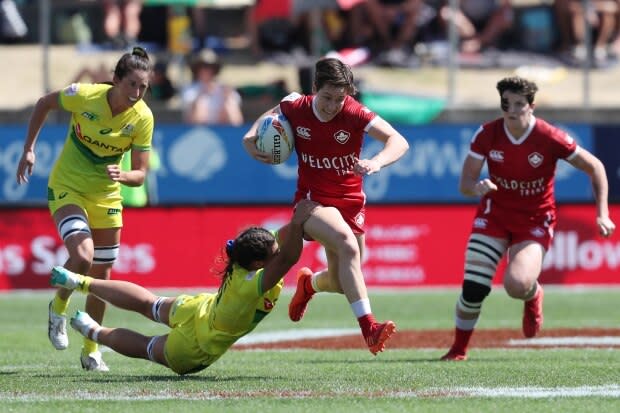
(206, 100)
(479, 23)
(161, 87)
(121, 22)
(603, 18)
(394, 22)
(12, 25)
(272, 28)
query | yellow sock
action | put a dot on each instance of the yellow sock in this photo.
(89, 347)
(85, 284)
(59, 306)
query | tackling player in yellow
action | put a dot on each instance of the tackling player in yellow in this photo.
(204, 326)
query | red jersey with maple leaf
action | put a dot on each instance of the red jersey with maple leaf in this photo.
(523, 170)
(327, 151)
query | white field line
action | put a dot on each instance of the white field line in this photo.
(567, 341)
(306, 334)
(298, 334)
(610, 390)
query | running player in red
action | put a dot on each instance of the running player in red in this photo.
(84, 194)
(329, 128)
(517, 211)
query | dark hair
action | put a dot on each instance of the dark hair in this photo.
(334, 72)
(519, 86)
(253, 244)
(138, 59)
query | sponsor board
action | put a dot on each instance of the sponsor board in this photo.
(406, 246)
(201, 165)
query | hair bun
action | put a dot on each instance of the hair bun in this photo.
(139, 51)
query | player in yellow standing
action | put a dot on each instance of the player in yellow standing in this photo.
(84, 185)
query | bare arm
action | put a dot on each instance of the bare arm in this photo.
(41, 109)
(291, 245)
(470, 183)
(592, 166)
(395, 146)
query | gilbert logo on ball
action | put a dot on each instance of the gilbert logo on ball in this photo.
(275, 136)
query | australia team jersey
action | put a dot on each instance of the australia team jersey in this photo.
(234, 311)
(524, 169)
(96, 139)
(327, 151)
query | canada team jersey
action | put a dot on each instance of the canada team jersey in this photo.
(523, 170)
(234, 311)
(96, 139)
(327, 151)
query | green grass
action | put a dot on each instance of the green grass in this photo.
(36, 378)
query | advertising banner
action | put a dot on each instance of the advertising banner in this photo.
(200, 165)
(407, 246)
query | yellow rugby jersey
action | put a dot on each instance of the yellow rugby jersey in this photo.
(234, 311)
(96, 139)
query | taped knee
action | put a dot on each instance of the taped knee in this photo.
(106, 254)
(71, 225)
(484, 249)
(481, 259)
(472, 296)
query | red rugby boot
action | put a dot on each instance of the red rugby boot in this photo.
(299, 303)
(379, 334)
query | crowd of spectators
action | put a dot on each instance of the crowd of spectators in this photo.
(383, 32)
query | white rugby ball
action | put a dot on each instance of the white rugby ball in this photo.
(275, 136)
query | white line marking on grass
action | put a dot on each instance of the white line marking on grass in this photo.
(301, 334)
(611, 390)
(567, 341)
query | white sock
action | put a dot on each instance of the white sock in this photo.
(361, 307)
(463, 324)
(313, 282)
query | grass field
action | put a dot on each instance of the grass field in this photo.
(36, 378)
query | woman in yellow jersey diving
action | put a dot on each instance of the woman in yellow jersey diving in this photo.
(204, 326)
(84, 185)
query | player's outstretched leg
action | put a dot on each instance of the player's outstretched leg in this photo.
(85, 325)
(62, 277)
(303, 294)
(533, 313)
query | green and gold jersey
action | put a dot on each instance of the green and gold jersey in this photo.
(96, 138)
(234, 311)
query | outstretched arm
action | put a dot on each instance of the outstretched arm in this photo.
(290, 247)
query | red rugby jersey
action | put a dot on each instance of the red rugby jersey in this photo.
(327, 151)
(524, 170)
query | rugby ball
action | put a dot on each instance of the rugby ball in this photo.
(275, 136)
